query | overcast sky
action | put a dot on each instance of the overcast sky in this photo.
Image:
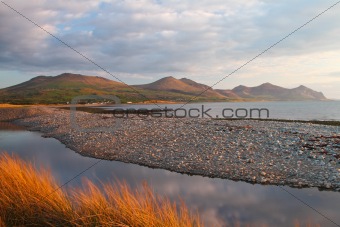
(140, 41)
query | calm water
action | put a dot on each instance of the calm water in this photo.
(218, 201)
(311, 110)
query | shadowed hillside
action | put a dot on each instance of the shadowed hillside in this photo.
(268, 91)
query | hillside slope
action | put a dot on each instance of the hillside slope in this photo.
(63, 88)
(183, 86)
(58, 89)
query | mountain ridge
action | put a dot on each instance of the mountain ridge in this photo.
(62, 88)
(184, 85)
(269, 91)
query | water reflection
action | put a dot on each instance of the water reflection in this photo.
(218, 201)
(7, 126)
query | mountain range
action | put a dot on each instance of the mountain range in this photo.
(64, 87)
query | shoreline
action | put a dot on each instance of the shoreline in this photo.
(10, 105)
(259, 152)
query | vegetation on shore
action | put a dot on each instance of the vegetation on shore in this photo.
(30, 197)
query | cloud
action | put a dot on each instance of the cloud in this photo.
(125, 36)
(203, 40)
(26, 47)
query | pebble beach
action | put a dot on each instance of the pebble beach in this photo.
(259, 152)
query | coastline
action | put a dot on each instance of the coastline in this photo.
(264, 152)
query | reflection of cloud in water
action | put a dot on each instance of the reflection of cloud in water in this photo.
(215, 199)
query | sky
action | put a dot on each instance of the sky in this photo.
(140, 41)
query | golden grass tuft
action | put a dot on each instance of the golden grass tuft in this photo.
(28, 197)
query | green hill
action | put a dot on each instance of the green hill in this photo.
(58, 89)
(63, 88)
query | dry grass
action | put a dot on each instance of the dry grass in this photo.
(25, 196)
(9, 106)
(2, 224)
(28, 197)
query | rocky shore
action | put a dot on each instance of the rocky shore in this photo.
(264, 152)
(10, 114)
